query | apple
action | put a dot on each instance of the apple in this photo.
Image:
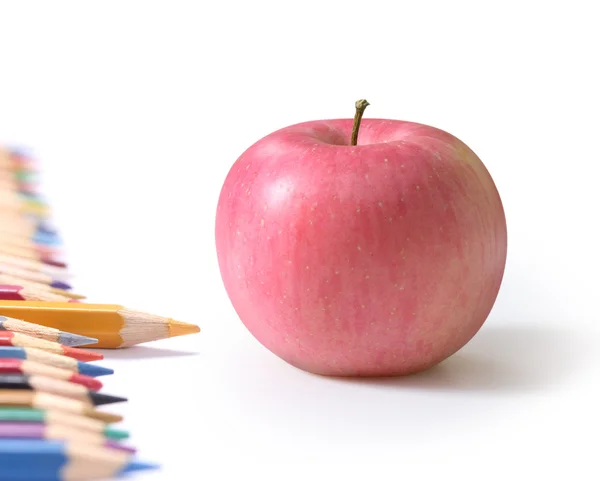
(371, 256)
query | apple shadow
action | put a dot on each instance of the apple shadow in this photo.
(143, 352)
(501, 359)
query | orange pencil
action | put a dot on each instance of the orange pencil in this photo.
(114, 326)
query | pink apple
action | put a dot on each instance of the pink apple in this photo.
(382, 258)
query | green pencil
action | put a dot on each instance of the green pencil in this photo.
(9, 414)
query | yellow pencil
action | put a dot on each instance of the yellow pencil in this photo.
(114, 326)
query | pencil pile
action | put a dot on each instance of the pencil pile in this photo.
(50, 424)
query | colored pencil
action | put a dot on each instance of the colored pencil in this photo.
(52, 262)
(14, 339)
(30, 368)
(41, 460)
(114, 326)
(31, 251)
(21, 293)
(54, 360)
(26, 176)
(30, 415)
(35, 266)
(39, 242)
(28, 207)
(10, 280)
(23, 237)
(47, 239)
(38, 277)
(22, 251)
(43, 332)
(28, 187)
(57, 432)
(14, 224)
(57, 387)
(42, 400)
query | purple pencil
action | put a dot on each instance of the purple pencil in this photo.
(57, 432)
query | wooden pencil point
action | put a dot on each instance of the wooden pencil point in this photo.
(113, 325)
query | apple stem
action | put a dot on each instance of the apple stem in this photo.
(360, 105)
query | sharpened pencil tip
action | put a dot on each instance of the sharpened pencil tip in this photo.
(82, 354)
(178, 328)
(114, 433)
(88, 381)
(93, 370)
(60, 285)
(108, 418)
(55, 263)
(75, 340)
(138, 466)
(101, 399)
(120, 447)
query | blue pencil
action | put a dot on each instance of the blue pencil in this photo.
(40, 460)
(47, 239)
(63, 362)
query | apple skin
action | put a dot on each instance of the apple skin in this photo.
(379, 259)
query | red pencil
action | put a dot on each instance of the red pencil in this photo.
(28, 293)
(8, 338)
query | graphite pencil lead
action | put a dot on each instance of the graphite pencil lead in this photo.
(75, 340)
(101, 399)
(58, 387)
(41, 400)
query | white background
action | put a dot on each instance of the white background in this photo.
(138, 110)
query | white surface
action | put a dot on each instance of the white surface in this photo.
(138, 109)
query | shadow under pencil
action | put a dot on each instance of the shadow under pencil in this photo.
(144, 352)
